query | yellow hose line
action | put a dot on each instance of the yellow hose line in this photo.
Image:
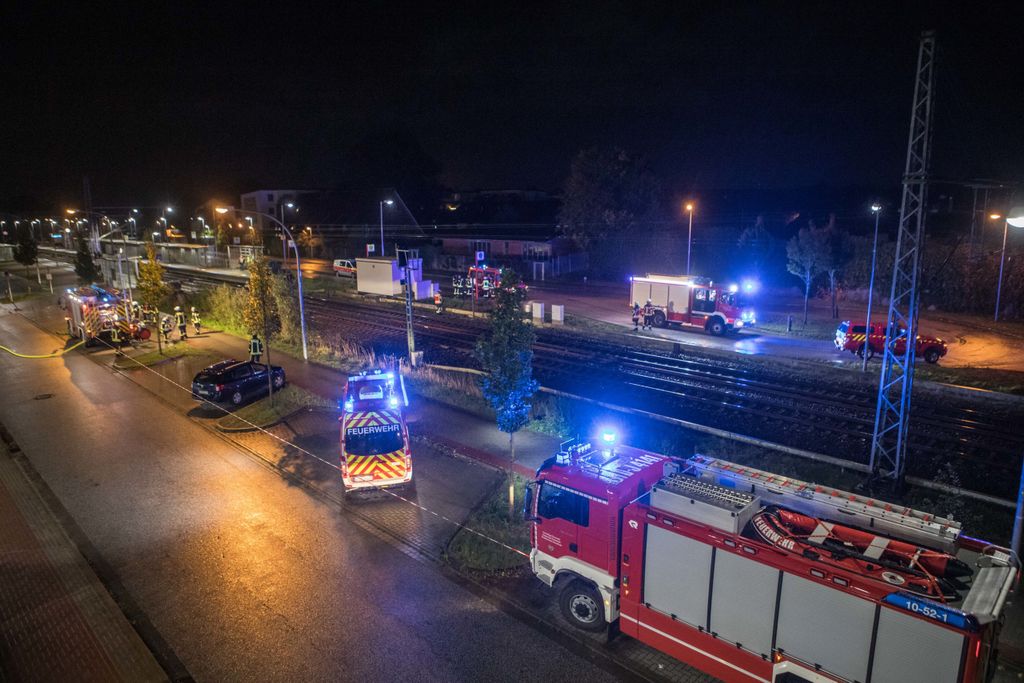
(49, 355)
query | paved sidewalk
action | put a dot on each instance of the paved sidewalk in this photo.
(57, 621)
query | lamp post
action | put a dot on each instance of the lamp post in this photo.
(1016, 219)
(877, 210)
(284, 244)
(298, 269)
(689, 235)
(389, 202)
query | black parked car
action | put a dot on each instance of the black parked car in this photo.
(233, 381)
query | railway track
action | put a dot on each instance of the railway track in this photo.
(837, 419)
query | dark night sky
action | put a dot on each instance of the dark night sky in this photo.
(172, 102)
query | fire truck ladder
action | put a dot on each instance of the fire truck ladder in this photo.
(826, 502)
(892, 414)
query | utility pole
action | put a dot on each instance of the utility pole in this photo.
(892, 413)
(876, 209)
(410, 338)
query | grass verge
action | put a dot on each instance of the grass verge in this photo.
(264, 413)
(154, 356)
(472, 552)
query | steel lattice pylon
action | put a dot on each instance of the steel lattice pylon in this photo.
(892, 414)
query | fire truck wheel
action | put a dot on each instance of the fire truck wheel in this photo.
(236, 398)
(582, 606)
(659, 319)
(716, 327)
(861, 350)
(931, 356)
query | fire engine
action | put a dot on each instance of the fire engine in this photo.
(90, 312)
(374, 437)
(688, 300)
(752, 576)
(480, 282)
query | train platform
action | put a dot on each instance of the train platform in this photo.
(57, 620)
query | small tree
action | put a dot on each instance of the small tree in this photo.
(260, 313)
(505, 354)
(151, 288)
(26, 251)
(85, 267)
(836, 250)
(803, 252)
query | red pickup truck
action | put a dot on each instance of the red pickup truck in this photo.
(855, 337)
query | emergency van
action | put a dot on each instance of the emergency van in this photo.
(374, 438)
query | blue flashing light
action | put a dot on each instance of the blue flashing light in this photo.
(393, 402)
(350, 405)
(390, 375)
(733, 288)
(608, 436)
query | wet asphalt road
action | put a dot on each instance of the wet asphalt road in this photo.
(244, 576)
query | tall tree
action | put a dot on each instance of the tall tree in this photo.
(608, 196)
(260, 313)
(85, 267)
(836, 251)
(26, 251)
(803, 252)
(152, 290)
(505, 354)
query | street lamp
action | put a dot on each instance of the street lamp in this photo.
(1016, 219)
(389, 202)
(689, 236)
(877, 210)
(284, 245)
(298, 269)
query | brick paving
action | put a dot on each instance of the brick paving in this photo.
(57, 621)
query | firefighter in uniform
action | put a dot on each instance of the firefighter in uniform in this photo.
(165, 328)
(196, 321)
(148, 314)
(438, 303)
(136, 311)
(255, 349)
(636, 317)
(648, 316)
(179, 320)
(115, 337)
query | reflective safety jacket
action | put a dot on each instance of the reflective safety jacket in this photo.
(255, 347)
(179, 317)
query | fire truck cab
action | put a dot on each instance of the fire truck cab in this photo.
(751, 576)
(374, 438)
(694, 301)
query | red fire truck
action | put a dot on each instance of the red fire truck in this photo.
(90, 313)
(374, 438)
(752, 576)
(688, 300)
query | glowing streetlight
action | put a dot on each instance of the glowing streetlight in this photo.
(689, 235)
(1015, 218)
(298, 268)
